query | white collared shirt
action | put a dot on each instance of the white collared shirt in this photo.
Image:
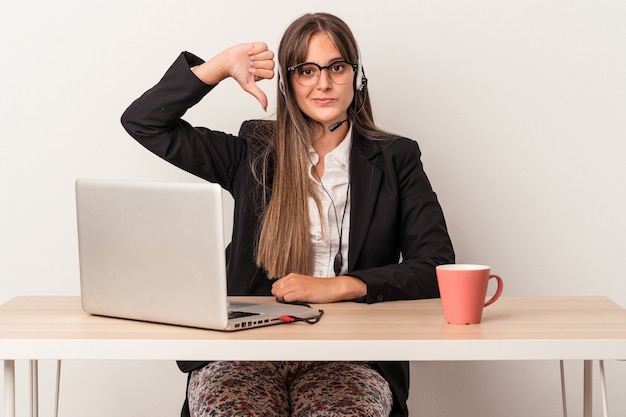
(324, 230)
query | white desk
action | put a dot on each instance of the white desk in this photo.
(514, 328)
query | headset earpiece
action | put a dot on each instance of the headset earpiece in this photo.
(281, 82)
(361, 81)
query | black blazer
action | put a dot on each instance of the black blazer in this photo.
(394, 211)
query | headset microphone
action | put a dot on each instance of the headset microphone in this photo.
(335, 126)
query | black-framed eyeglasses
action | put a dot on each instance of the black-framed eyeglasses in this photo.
(308, 73)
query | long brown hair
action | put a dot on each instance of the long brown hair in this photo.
(284, 244)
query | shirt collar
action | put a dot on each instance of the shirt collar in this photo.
(341, 153)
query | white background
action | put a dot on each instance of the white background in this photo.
(519, 108)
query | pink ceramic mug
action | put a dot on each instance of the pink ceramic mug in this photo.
(463, 291)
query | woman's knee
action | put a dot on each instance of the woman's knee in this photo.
(235, 388)
(341, 388)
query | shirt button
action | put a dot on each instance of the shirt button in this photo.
(380, 298)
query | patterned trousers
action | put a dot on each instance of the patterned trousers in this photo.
(298, 389)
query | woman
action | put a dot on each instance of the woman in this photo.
(325, 205)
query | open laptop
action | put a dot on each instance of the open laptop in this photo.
(154, 251)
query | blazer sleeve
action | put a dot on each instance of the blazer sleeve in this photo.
(155, 121)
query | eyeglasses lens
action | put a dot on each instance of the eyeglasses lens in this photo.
(308, 74)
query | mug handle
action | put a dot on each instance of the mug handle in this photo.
(498, 291)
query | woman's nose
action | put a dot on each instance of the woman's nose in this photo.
(324, 82)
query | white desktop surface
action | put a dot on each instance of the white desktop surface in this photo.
(514, 328)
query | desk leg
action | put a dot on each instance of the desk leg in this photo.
(57, 388)
(588, 388)
(9, 388)
(34, 388)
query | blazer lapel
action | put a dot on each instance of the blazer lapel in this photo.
(364, 193)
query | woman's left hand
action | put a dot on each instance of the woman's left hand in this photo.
(307, 289)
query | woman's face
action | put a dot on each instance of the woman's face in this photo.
(325, 102)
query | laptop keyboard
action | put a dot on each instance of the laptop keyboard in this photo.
(238, 314)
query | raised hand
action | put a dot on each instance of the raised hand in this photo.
(246, 63)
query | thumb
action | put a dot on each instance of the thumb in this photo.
(254, 89)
